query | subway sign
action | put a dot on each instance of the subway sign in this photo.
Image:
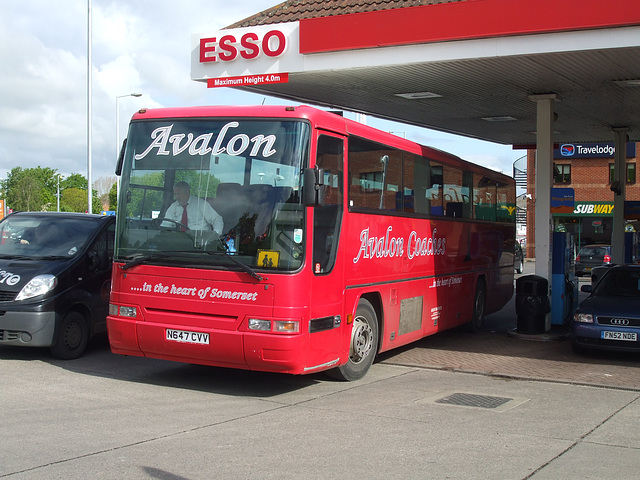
(593, 209)
(590, 150)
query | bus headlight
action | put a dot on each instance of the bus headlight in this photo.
(38, 285)
(257, 324)
(287, 326)
(122, 311)
(276, 326)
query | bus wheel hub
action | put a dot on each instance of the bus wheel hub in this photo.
(361, 340)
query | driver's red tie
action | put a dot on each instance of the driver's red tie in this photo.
(185, 220)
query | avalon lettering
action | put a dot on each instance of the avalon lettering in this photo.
(235, 146)
(389, 246)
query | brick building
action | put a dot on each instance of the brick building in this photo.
(582, 175)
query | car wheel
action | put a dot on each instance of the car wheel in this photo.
(477, 320)
(72, 337)
(519, 266)
(363, 345)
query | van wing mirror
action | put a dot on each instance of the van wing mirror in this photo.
(312, 186)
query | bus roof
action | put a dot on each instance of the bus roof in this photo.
(322, 119)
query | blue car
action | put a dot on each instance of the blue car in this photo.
(609, 319)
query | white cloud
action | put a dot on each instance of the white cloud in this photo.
(137, 46)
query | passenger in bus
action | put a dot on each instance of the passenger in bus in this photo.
(191, 212)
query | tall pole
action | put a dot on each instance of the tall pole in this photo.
(89, 188)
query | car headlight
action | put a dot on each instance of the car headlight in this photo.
(583, 318)
(38, 285)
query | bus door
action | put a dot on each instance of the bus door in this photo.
(327, 285)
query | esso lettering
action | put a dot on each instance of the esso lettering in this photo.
(249, 46)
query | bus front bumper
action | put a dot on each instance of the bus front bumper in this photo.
(233, 349)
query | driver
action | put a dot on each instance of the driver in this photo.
(193, 212)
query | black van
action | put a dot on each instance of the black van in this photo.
(55, 279)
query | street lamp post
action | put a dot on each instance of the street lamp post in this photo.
(58, 194)
(89, 99)
(118, 133)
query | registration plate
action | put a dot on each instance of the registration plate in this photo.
(187, 337)
(628, 336)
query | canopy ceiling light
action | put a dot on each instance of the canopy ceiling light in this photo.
(504, 118)
(628, 83)
(418, 95)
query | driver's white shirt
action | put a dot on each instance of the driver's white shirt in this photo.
(200, 214)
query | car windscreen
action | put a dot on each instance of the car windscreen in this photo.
(619, 282)
(593, 252)
(41, 237)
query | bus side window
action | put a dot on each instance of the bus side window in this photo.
(417, 181)
(484, 198)
(328, 216)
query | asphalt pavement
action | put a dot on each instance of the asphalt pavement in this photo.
(453, 406)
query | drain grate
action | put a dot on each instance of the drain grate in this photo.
(471, 400)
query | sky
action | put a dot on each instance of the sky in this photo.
(138, 46)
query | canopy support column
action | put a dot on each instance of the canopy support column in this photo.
(544, 171)
(618, 187)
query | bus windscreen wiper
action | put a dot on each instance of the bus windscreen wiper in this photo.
(245, 268)
(140, 259)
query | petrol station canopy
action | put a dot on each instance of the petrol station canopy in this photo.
(468, 67)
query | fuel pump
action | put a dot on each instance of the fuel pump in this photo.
(564, 287)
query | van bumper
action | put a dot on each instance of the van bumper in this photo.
(31, 329)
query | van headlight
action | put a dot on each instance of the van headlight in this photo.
(38, 285)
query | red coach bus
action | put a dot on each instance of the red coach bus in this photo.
(312, 242)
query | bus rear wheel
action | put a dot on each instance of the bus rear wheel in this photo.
(363, 345)
(477, 320)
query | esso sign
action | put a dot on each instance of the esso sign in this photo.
(249, 46)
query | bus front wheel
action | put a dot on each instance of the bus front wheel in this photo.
(363, 345)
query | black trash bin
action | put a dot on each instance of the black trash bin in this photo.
(532, 303)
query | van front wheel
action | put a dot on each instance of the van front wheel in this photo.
(71, 338)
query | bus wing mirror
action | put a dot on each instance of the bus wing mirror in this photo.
(312, 186)
(121, 158)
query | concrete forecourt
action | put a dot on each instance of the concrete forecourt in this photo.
(111, 417)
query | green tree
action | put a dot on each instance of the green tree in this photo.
(72, 201)
(113, 197)
(75, 180)
(31, 189)
(35, 189)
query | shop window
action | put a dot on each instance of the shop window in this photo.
(631, 173)
(561, 173)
